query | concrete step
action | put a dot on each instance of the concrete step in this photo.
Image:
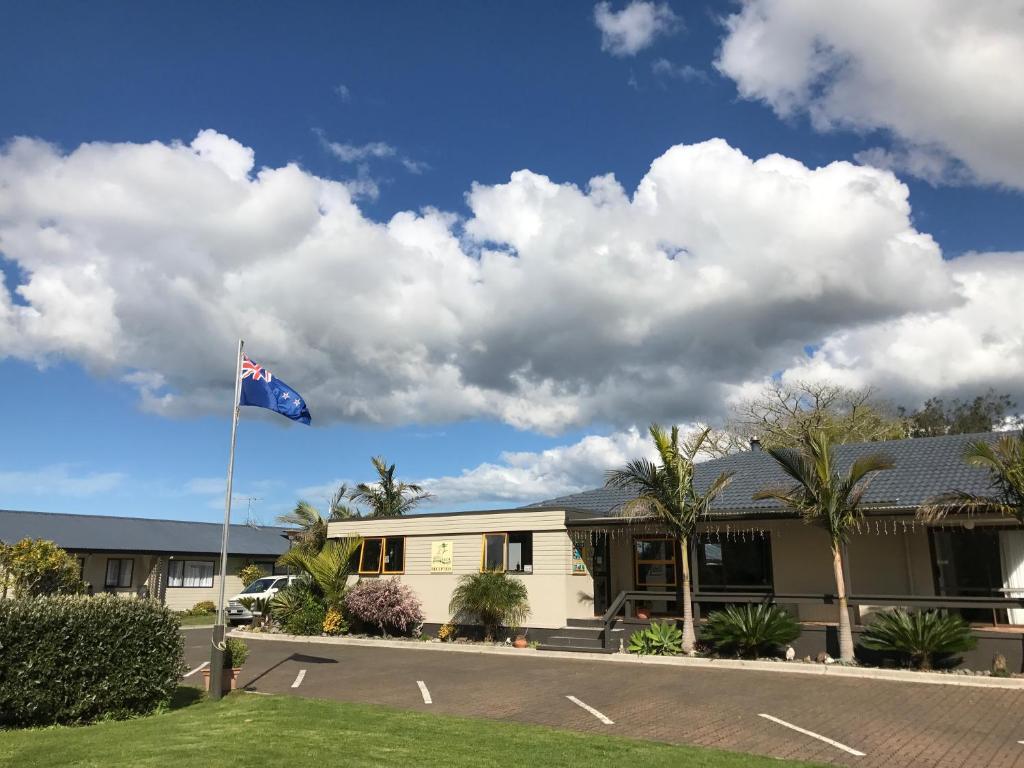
(576, 641)
(550, 646)
(576, 623)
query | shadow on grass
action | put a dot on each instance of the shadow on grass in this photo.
(186, 696)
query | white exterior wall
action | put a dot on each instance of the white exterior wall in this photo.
(183, 598)
(555, 594)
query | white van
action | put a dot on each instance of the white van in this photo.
(261, 589)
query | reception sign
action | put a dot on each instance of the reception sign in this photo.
(441, 556)
(579, 566)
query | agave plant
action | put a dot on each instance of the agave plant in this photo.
(918, 635)
(750, 630)
(659, 639)
(491, 599)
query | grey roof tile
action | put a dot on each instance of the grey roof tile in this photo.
(925, 467)
(101, 533)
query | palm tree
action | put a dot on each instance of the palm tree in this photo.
(313, 526)
(328, 569)
(388, 497)
(666, 491)
(824, 496)
(1004, 460)
(492, 598)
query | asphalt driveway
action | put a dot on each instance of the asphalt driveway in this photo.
(843, 721)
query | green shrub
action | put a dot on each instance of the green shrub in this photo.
(204, 608)
(299, 609)
(490, 599)
(33, 567)
(920, 636)
(249, 572)
(71, 659)
(236, 652)
(750, 630)
(659, 639)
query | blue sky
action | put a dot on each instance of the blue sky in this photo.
(410, 105)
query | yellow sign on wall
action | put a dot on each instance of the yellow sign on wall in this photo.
(441, 556)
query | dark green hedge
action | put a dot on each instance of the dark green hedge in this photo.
(67, 659)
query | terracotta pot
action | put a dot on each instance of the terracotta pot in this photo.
(520, 642)
(643, 613)
(229, 678)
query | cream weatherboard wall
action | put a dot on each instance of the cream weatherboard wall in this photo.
(555, 594)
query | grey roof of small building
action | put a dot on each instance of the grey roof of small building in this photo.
(925, 467)
(102, 533)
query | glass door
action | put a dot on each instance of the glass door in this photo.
(967, 564)
(601, 573)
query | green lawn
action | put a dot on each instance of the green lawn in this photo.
(245, 729)
(208, 620)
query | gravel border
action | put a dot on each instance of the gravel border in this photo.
(792, 668)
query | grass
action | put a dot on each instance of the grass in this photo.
(284, 730)
(206, 620)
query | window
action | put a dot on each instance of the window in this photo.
(190, 573)
(734, 564)
(81, 568)
(382, 555)
(511, 552)
(655, 562)
(119, 572)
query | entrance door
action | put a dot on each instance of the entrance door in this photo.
(601, 573)
(967, 564)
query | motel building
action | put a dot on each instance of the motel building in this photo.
(590, 571)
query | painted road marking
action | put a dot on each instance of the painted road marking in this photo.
(425, 692)
(813, 735)
(299, 678)
(590, 709)
(204, 665)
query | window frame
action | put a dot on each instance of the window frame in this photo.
(184, 563)
(380, 570)
(504, 553)
(637, 562)
(120, 570)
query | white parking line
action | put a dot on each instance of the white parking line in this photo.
(299, 678)
(813, 735)
(204, 665)
(425, 692)
(591, 710)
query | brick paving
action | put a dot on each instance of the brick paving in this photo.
(894, 723)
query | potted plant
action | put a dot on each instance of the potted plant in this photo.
(643, 612)
(235, 654)
(520, 642)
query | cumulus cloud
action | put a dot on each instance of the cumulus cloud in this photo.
(965, 348)
(58, 479)
(635, 27)
(942, 76)
(548, 306)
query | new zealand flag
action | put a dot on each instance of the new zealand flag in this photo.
(264, 390)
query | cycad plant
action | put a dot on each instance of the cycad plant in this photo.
(750, 630)
(824, 496)
(327, 570)
(1004, 460)
(921, 636)
(659, 639)
(388, 497)
(666, 491)
(491, 599)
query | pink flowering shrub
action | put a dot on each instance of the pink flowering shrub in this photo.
(387, 604)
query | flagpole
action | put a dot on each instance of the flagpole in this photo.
(217, 651)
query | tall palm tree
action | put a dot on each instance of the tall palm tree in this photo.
(312, 524)
(666, 491)
(327, 569)
(824, 496)
(388, 497)
(1004, 460)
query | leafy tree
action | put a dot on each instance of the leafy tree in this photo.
(783, 414)
(388, 497)
(34, 567)
(824, 496)
(666, 491)
(1004, 460)
(960, 417)
(249, 572)
(312, 525)
(494, 599)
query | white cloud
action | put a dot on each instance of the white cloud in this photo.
(343, 92)
(943, 76)
(962, 349)
(58, 480)
(635, 27)
(549, 306)
(351, 153)
(685, 72)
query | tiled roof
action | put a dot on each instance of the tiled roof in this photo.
(100, 533)
(925, 467)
